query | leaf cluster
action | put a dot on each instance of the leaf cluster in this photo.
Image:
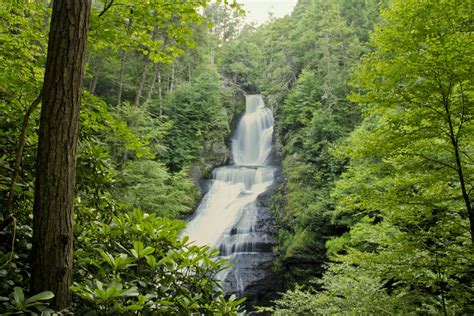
(138, 262)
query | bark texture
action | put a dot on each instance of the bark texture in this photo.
(56, 164)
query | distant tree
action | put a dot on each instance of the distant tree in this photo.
(56, 162)
(416, 88)
(226, 22)
(407, 192)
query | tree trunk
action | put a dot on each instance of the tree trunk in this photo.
(19, 156)
(56, 162)
(189, 67)
(142, 82)
(156, 76)
(122, 74)
(457, 160)
(123, 60)
(160, 88)
(171, 82)
(95, 75)
(160, 91)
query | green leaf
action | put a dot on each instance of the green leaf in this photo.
(46, 295)
(18, 296)
(130, 292)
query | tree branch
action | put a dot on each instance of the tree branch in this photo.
(107, 6)
(7, 213)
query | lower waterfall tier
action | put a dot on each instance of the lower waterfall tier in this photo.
(230, 200)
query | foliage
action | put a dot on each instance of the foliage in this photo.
(346, 290)
(14, 254)
(21, 72)
(23, 42)
(138, 262)
(414, 146)
(134, 24)
(124, 152)
(198, 114)
(406, 193)
(148, 185)
(103, 135)
(307, 60)
(239, 61)
(19, 304)
(225, 22)
(396, 225)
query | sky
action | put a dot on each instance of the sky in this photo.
(259, 9)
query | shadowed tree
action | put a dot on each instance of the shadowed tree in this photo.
(56, 162)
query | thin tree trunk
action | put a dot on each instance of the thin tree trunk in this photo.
(19, 151)
(160, 88)
(457, 159)
(142, 81)
(95, 75)
(171, 82)
(19, 156)
(123, 60)
(160, 92)
(124, 158)
(224, 26)
(156, 75)
(56, 161)
(122, 74)
(212, 58)
(48, 4)
(189, 67)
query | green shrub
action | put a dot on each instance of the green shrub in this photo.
(138, 262)
(17, 303)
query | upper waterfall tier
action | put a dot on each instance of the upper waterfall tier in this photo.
(253, 139)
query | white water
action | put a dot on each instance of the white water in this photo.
(253, 141)
(228, 212)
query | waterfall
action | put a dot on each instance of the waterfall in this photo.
(227, 217)
(253, 141)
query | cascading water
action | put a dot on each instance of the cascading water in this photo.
(228, 216)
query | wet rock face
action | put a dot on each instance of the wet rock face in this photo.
(196, 175)
(215, 154)
(253, 274)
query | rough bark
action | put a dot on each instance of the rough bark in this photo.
(56, 161)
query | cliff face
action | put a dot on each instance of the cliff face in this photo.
(215, 154)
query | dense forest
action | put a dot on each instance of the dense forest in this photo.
(113, 111)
